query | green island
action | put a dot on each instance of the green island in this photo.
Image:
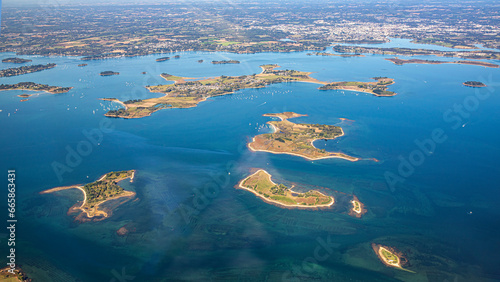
(378, 88)
(187, 94)
(109, 73)
(474, 84)
(35, 87)
(162, 59)
(261, 185)
(225, 62)
(25, 69)
(390, 257)
(16, 60)
(99, 192)
(400, 62)
(334, 55)
(297, 139)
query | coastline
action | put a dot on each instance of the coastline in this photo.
(240, 185)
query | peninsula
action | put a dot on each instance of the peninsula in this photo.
(16, 60)
(25, 70)
(187, 94)
(398, 61)
(297, 139)
(474, 84)
(109, 73)
(261, 185)
(390, 257)
(97, 193)
(35, 87)
(378, 88)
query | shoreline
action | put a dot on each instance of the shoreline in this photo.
(240, 185)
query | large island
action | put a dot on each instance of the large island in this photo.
(261, 185)
(35, 87)
(99, 192)
(187, 94)
(400, 62)
(297, 139)
(25, 69)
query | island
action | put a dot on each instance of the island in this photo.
(390, 257)
(334, 55)
(225, 62)
(261, 185)
(35, 87)
(187, 94)
(83, 65)
(99, 192)
(8, 274)
(297, 139)
(109, 73)
(200, 61)
(400, 62)
(16, 60)
(358, 208)
(474, 84)
(162, 59)
(25, 69)
(24, 95)
(177, 56)
(378, 88)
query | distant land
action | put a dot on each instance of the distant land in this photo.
(297, 139)
(16, 60)
(162, 59)
(97, 193)
(261, 185)
(25, 70)
(83, 65)
(35, 87)
(433, 62)
(334, 55)
(187, 94)
(225, 62)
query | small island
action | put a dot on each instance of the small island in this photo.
(25, 70)
(358, 208)
(177, 56)
(187, 94)
(225, 62)
(378, 88)
(83, 65)
(35, 87)
(297, 139)
(200, 61)
(400, 62)
(163, 59)
(97, 193)
(390, 257)
(16, 60)
(261, 185)
(334, 55)
(109, 73)
(474, 84)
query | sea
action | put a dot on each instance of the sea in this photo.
(432, 195)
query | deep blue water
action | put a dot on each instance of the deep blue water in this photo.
(444, 215)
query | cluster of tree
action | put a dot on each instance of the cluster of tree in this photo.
(25, 70)
(132, 101)
(101, 190)
(16, 60)
(279, 189)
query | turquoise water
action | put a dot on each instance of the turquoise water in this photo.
(444, 216)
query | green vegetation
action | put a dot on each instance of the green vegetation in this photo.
(105, 188)
(262, 185)
(16, 60)
(474, 84)
(389, 257)
(297, 139)
(378, 88)
(35, 87)
(25, 70)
